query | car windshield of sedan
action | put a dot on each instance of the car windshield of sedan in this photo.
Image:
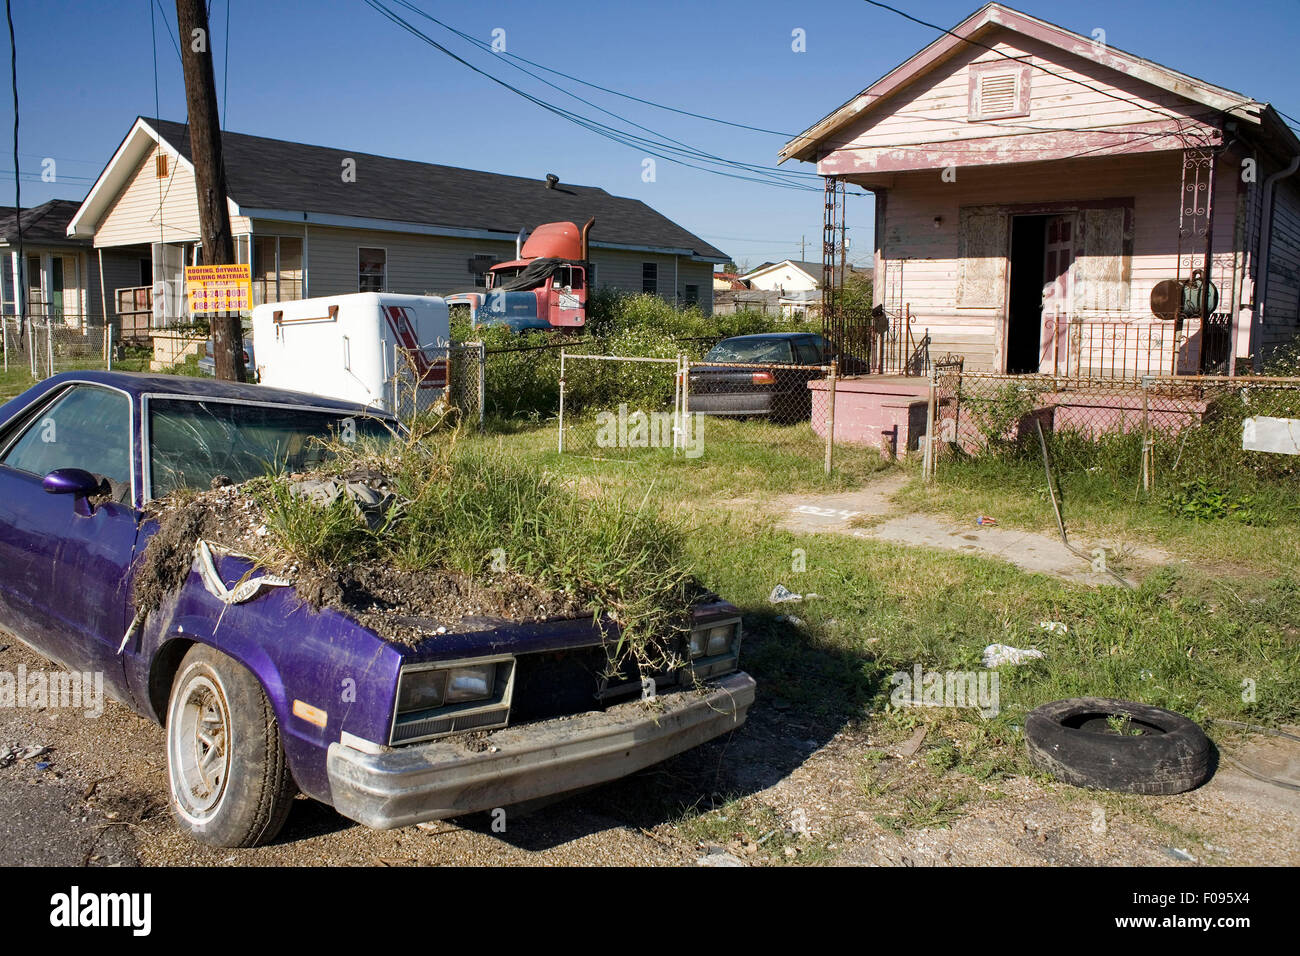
(193, 441)
(750, 350)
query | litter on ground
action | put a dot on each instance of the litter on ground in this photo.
(995, 655)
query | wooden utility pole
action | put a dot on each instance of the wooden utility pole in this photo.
(209, 174)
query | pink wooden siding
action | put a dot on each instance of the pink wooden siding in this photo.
(928, 124)
(954, 273)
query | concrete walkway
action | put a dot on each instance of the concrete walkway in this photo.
(1029, 550)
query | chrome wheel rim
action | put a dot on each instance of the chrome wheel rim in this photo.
(200, 747)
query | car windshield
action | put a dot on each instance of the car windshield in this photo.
(193, 441)
(750, 350)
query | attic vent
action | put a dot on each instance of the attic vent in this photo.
(160, 165)
(998, 90)
(552, 180)
(997, 94)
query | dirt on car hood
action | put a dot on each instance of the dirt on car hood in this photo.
(401, 606)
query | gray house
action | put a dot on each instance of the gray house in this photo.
(314, 220)
(59, 275)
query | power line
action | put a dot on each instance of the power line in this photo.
(594, 126)
(170, 33)
(1015, 128)
(1165, 114)
(225, 70)
(18, 188)
(767, 170)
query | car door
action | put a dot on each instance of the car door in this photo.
(65, 559)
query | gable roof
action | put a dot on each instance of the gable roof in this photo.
(272, 178)
(811, 269)
(993, 16)
(46, 224)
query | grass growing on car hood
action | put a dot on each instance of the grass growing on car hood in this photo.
(466, 533)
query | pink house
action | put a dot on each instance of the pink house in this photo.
(1048, 203)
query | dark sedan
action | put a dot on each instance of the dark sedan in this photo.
(760, 376)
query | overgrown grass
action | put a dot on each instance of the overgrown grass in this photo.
(1189, 638)
(477, 511)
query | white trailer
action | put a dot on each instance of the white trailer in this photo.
(354, 347)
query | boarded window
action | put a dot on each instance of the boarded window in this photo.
(982, 252)
(1104, 263)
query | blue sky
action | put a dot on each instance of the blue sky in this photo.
(335, 72)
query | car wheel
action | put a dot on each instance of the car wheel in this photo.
(1110, 744)
(230, 782)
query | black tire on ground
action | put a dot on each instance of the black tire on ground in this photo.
(230, 783)
(1164, 753)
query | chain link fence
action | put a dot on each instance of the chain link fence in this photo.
(439, 380)
(762, 403)
(622, 407)
(1156, 434)
(37, 347)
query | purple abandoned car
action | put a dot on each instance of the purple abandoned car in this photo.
(265, 696)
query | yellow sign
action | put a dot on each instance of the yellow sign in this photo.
(225, 288)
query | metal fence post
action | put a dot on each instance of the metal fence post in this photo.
(49, 346)
(108, 347)
(830, 415)
(927, 459)
(482, 385)
(1148, 445)
(679, 420)
(561, 446)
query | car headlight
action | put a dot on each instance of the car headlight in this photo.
(432, 688)
(720, 639)
(436, 699)
(421, 690)
(712, 640)
(470, 683)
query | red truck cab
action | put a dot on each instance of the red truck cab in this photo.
(546, 285)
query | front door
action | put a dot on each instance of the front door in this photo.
(1057, 256)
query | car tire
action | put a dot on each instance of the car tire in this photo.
(1071, 740)
(229, 779)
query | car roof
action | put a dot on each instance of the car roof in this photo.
(767, 335)
(137, 384)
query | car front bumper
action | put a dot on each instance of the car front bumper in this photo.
(448, 777)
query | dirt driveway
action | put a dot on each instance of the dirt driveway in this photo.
(785, 788)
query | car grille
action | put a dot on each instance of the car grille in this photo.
(448, 723)
(558, 683)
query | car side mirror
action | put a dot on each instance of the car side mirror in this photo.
(72, 481)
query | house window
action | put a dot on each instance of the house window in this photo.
(650, 277)
(479, 266)
(591, 275)
(371, 269)
(998, 90)
(277, 269)
(692, 295)
(7, 298)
